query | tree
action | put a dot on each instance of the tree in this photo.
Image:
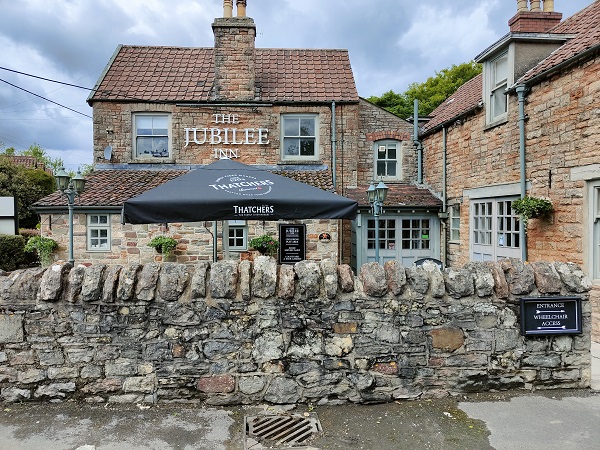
(430, 94)
(40, 154)
(27, 186)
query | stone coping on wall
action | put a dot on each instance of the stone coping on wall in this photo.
(234, 332)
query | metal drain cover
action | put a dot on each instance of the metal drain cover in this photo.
(280, 431)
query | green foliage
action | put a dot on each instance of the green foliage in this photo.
(430, 94)
(40, 154)
(43, 247)
(27, 186)
(163, 244)
(12, 252)
(531, 208)
(265, 244)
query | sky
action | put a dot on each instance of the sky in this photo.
(391, 43)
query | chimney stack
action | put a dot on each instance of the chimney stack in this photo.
(234, 55)
(534, 19)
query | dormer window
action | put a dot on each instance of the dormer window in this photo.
(497, 82)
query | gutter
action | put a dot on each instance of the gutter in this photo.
(333, 145)
(522, 91)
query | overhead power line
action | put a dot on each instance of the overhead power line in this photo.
(45, 79)
(108, 92)
(47, 99)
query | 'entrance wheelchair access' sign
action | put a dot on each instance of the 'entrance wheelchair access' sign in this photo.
(550, 315)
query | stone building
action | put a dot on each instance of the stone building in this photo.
(162, 111)
(528, 125)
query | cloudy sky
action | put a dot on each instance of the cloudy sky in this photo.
(392, 43)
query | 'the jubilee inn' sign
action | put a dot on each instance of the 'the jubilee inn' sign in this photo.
(550, 315)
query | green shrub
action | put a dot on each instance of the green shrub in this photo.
(531, 208)
(163, 244)
(12, 252)
(43, 247)
(265, 244)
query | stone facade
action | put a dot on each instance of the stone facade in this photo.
(562, 131)
(129, 243)
(241, 333)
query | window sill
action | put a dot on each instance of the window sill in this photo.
(495, 124)
(311, 162)
(152, 161)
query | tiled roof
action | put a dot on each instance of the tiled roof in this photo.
(28, 161)
(586, 25)
(466, 98)
(185, 74)
(113, 187)
(399, 195)
(110, 188)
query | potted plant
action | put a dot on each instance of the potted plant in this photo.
(43, 246)
(531, 207)
(265, 244)
(163, 244)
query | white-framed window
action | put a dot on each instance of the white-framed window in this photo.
(416, 234)
(237, 237)
(387, 159)
(495, 230)
(454, 219)
(595, 224)
(497, 79)
(151, 136)
(299, 137)
(98, 232)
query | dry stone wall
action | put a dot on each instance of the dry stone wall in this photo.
(245, 332)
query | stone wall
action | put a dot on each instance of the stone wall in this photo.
(241, 332)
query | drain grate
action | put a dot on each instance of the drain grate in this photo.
(289, 429)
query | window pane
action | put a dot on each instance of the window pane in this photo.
(391, 172)
(501, 71)
(307, 147)
(291, 146)
(307, 127)
(291, 127)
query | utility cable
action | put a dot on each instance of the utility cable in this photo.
(44, 98)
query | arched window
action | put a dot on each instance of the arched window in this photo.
(387, 159)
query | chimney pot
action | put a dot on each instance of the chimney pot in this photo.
(227, 8)
(548, 5)
(241, 8)
(535, 5)
(521, 5)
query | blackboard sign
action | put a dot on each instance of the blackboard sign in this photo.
(550, 315)
(292, 243)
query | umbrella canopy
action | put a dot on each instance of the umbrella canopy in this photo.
(226, 190)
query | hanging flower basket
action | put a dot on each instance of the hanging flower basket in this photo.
(265, 244)
(531, 208)
(163, 244)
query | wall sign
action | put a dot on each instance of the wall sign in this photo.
(292, 243)
(550, 315)
(226, 136)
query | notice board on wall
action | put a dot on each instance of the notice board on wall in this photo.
(550, 315)
(292, 243)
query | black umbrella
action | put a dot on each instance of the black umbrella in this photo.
(226, 190)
